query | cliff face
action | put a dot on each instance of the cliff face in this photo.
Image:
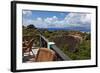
(69, 42)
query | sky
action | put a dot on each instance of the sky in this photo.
(53, 19)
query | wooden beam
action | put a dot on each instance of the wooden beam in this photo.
(59, 52)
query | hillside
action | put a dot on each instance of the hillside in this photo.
(75, 44)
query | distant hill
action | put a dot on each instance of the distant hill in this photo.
(82, 29)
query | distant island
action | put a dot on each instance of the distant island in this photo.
(82, 29)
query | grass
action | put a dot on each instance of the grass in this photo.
(82, 53)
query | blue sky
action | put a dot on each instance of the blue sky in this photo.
(53, 19)
(42, 14)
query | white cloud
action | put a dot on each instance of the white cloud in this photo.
(39, 19)
(80, 19)
(39, 23)
(87, 19)
(71, 19)
(27, 13)
(51, 19)
(27, 22)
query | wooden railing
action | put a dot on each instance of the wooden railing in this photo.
(60, 55)
(43, 41)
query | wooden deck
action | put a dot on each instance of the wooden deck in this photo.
(38, 54)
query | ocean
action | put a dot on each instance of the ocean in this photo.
(70, 29)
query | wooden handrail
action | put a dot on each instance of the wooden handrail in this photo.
(59, 52)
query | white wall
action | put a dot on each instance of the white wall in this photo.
(5, 36)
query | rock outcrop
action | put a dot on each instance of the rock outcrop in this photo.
(68, 41)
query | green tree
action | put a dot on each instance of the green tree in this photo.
(31, 26)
